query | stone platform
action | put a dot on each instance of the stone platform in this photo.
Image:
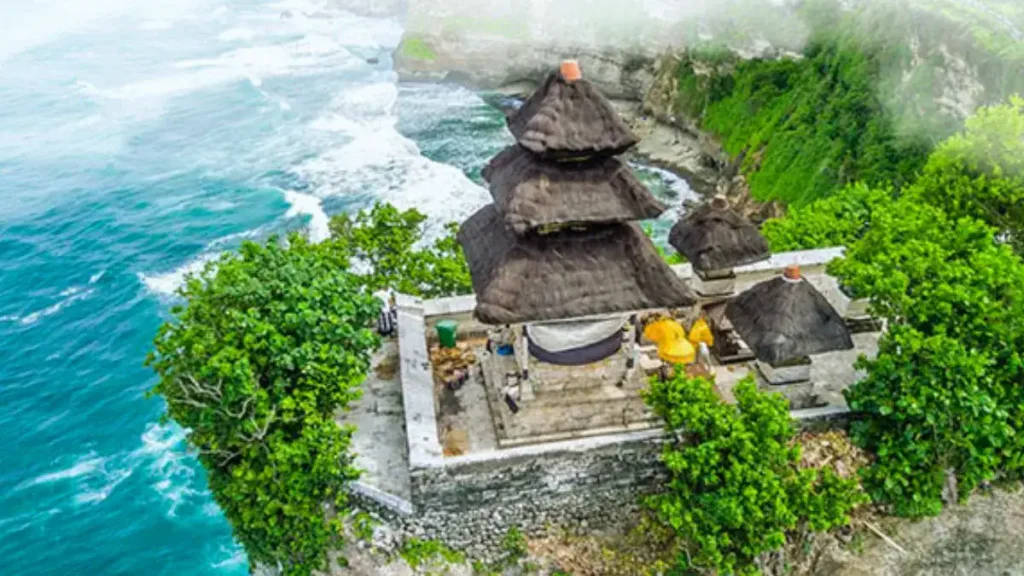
(458, 465)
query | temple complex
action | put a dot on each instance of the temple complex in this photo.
(523, 400)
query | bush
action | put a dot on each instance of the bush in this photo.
(272, 343)
(387, 242)
(943, 399)
(839, 220)
(980, 172)
(735, 488)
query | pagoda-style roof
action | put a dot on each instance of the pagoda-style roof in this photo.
(569, 119)
(786, 318)
(716, 237)
(532, 193)
(563, 275)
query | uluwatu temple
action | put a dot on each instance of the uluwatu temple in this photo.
(530, 390)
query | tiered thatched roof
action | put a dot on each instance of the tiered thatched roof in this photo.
(533, 193)
(564, 119)
(600, 270)
(716, 237)
(786, 318)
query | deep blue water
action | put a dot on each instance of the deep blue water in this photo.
(136, 142)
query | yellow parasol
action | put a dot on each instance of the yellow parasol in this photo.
(670, 337)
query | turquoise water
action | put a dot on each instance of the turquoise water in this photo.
(137, 142)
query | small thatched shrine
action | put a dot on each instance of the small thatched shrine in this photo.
(784, 321)
(558, 249)
(715, 239)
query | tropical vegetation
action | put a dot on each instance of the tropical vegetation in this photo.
(736, 488)
(268, 348)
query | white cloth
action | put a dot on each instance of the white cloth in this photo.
(573, 334)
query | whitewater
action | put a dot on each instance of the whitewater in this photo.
(138, 141)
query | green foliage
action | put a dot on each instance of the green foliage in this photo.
(807, 127)
(416, 49)
(386, 240)
(419, 552)
(980, 172)
(272, 343)
(943, 399)
(839, 220)
(736, 488)
(514, 544)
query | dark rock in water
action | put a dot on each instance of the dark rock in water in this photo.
(373, 60)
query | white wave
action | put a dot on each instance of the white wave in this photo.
(71, 295)
(370, 101)
(236, 34)
(167, 283)
(94, 478)
(97, 277)
(84, 466)
(380, 161)
(676, 183)
(157, 24)
(235, 557)
(169, 466)
(110, 481)
(304, 204)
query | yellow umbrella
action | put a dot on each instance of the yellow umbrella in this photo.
(701, 333)
(670, 337)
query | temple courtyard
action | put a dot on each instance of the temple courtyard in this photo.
(410, 418)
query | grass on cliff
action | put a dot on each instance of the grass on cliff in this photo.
(417, 49)
(860, 104)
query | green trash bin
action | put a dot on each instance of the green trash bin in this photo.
(446, 330)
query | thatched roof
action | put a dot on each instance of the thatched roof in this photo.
(570, 119)
(716, 237)
(531, 193)
(567, 274)
(782, 320)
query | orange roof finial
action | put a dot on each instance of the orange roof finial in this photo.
(571, 71)
(792, 272)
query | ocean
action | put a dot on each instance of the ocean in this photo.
(138, 140)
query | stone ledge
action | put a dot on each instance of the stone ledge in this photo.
(417, 386)
(389, 501)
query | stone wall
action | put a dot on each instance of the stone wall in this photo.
(471, 502)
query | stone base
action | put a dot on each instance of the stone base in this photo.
(785, 375)
(711, 284)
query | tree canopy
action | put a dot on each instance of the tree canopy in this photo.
(270, 345)
(388, 243)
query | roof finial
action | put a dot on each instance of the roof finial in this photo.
(719, 202)
(571, 71)
(792, 272)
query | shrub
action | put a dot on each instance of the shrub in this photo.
(735, 488)
(272, 343)
(943, 399)
(839, 220)
(980, 172)
(387, 242)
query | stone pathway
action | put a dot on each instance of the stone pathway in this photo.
(380, 440)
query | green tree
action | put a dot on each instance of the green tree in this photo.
(943, 398)
(839, 220)
(386, 242)
(736, 488)
(271, 344)
(980, 172)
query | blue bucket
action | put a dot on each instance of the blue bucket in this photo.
(505, 350)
